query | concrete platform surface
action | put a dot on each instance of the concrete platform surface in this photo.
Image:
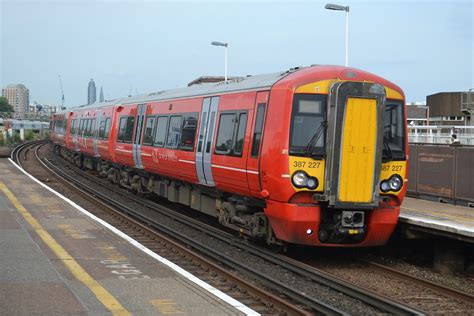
(457, 221)
(56, 260)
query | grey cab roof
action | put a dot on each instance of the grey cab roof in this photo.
(240, 84)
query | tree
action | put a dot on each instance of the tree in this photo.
(5, 106)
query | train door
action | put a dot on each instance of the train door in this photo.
(205, 140)
(95, 134)
(253, 170)
(137, 139)
(354, 158)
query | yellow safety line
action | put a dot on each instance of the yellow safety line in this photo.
(79, 273)
(438, 214)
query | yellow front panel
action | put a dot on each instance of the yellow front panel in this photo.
(323, 87)
(358, 151)
(316, 87)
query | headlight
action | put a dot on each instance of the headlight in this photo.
(312, 183)
(384, 186)
(299, 179)
(395, 182)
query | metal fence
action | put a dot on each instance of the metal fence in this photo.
(440, 134)
(442, 171)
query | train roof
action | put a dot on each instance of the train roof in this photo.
(202, 89)
(208, 89)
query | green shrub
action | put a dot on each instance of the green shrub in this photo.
(16, 138)
(29, 135)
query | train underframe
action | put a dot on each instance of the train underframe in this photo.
(277, 223)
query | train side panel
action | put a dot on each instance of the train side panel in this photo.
(163, 153)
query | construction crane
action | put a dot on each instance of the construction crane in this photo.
(62, 92)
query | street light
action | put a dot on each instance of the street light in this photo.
(337, 7)
(225, 57)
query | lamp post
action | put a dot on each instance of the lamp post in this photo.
(337, 7)
(226, 45)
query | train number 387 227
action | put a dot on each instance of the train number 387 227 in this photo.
(310, 164)
(393, 168)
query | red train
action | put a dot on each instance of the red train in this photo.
(314, 156)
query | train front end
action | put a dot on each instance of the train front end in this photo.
(346, 160)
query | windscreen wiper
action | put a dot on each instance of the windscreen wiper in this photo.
(388, 150)
(315, 138)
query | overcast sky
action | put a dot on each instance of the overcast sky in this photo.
(144, 46)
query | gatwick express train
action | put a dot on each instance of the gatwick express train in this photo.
(313, 156)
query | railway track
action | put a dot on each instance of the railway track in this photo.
(141, 231)
(148, 235)
(448, 292)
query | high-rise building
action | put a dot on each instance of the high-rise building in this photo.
(18, 96)
(101, 97)
(91, 92)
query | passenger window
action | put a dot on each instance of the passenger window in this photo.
(231, 134)
(81, 125)
(257, 131)
(92, 128)
(104, 128)
(127, 138)
(174, 132)
(107, 128)
(101, 129)
(188, 132)
(86, 128)
(71, 129)
(225, 133)
(149, 127)
(122, 125)
(89, 127)
(160, 134)
(239, 141)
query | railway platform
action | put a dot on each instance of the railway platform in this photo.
(449, 227)
(435, 218)
(55, 259)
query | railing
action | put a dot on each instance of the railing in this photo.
(428, 134)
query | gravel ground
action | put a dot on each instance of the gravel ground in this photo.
(5, 151)
(425, 299)
(464, 283)
(332, 260)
